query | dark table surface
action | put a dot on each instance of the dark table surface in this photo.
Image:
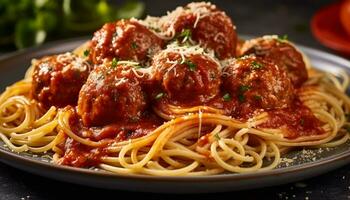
(252, 17)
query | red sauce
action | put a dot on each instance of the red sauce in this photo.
(115, 104)
(80, 155)
(203, 140)
(296, 121)
(119, 130)
(58, 81)
(125, 40)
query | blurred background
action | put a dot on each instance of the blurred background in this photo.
(25, 23)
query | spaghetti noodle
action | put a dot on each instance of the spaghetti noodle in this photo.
(190, 139)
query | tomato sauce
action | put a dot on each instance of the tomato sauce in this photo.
(80, 155)
(296, 121)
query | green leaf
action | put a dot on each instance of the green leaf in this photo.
(114, 62)
(191, 65)
(86, 53)
(159, 95)
(46, 20)
(256, 65)
(227, 97)
(27, 33)
(257, 97)
(282, 38)
(244, 88)
(241, 98)
(134, 45)
(130, 9)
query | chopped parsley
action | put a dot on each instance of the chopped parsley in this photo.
(186, 33)
(241, 98)
(302, 122)
(257, 97)
(255, 65)
(244, 88)
(159, 95)
(86, 53)
(134, 45)
(114, 62)
(190, 65)
(282, 38)
(227, 97)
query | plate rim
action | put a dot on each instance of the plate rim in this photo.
(7, 156)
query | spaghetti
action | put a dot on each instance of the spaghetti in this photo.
(176, 137)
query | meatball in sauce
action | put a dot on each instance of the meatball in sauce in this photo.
(204, 24)
(282, 53)
(125, 40)
(257, 83)
(110, 94)
(57, 79)
(187, 78)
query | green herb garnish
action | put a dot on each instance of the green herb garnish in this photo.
(282, 38)
(134, 45)
(159, 95)
(190, 65)
(244, 88)
(257, 97)
(302, 122)
(227, 97)
(186, 33)
(255, 65)
(114, 62)
(86, 53)
(241, 98)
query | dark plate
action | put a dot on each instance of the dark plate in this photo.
(12, 68)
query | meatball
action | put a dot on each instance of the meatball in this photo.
(125, 40)
(257, 83)
(111, 93)
(205, 24)
(282, 53)
(187, 78)
(57, 79)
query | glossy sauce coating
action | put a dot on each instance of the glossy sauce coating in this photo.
(282, 53)
(192, 81)
(117, 100)
(80, 155)
(124, 40)
(295, 121)
(208, 26)
(256, 83)
(111, 94)
(57, 79)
